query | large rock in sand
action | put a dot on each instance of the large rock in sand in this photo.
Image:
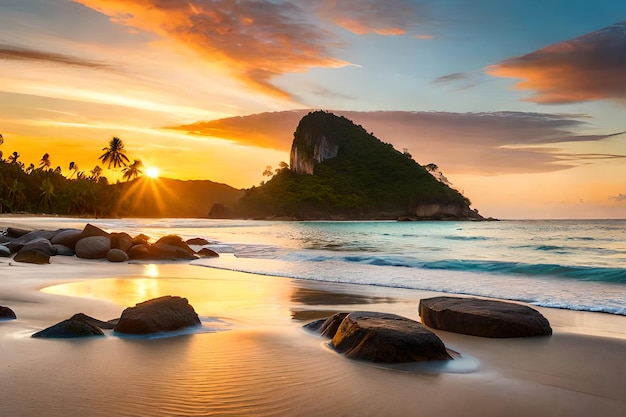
(486, 318)
(157, 315)
(70, 328)
(382, 338)
(93, 247)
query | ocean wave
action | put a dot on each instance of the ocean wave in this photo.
(537, 290)
(581, 273)
(611, 275)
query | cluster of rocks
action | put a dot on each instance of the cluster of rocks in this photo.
(163, 314)
(37, 246)
(388, 338)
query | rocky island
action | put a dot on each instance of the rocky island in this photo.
(339, 171)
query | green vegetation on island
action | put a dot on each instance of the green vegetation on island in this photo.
(340, 171)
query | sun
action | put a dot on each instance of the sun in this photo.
(152, 172)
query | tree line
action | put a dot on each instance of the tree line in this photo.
(43, 189)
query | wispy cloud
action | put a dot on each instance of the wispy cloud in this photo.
(391, 17)
(455, 76)
(476, 143)
(590, 67)
(18, 53)
(619, 197)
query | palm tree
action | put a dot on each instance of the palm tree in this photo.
(15, 194)
(13, 157)
(133, 170)
(114, 154)
(95, 173)
(30, 168)
(45, 161)
(73, 167)
(47, 192)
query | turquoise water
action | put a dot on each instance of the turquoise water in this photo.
(578, 265)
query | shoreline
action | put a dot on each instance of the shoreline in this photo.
(261, 358)
(251, 355)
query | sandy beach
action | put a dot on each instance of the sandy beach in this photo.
(251, 356)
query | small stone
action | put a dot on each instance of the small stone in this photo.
(117, 255)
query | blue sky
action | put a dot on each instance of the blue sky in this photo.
(520, 103)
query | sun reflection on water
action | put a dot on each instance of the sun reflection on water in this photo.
(247, 300)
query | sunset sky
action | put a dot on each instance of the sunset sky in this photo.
(521, 103)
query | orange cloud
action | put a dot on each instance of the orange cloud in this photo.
(253, 41)
(590, 67)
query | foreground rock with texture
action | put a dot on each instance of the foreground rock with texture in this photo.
(381, 338)
(158, 315)
(485, 318)
(70, 328)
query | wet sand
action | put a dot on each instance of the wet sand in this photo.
(251, 356)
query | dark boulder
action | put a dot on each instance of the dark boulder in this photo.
(15, 232)
(485, 318)
(328, 326)
(382, 338)
(93, 321)
(63, 250)
(66, 237)
(93, 247)
(91, 230)
(70, 328)
(4, 251)
(172, 247)
(17, 244)
(122, 241)
(6, 313)
(139, 251)
(174, 240)
(165, 252)
(197, 241)
(208, 253)
(117, 255)
(36, 251)
(157, 315)
(141, 239)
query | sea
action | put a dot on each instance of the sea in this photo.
(568, 264)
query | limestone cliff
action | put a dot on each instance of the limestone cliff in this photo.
(313, 143)
(310, 150)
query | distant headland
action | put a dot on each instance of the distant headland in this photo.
(337, 171)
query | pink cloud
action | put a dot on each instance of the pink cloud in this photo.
(590, 67)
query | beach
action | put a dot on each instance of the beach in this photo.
(252, 357)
